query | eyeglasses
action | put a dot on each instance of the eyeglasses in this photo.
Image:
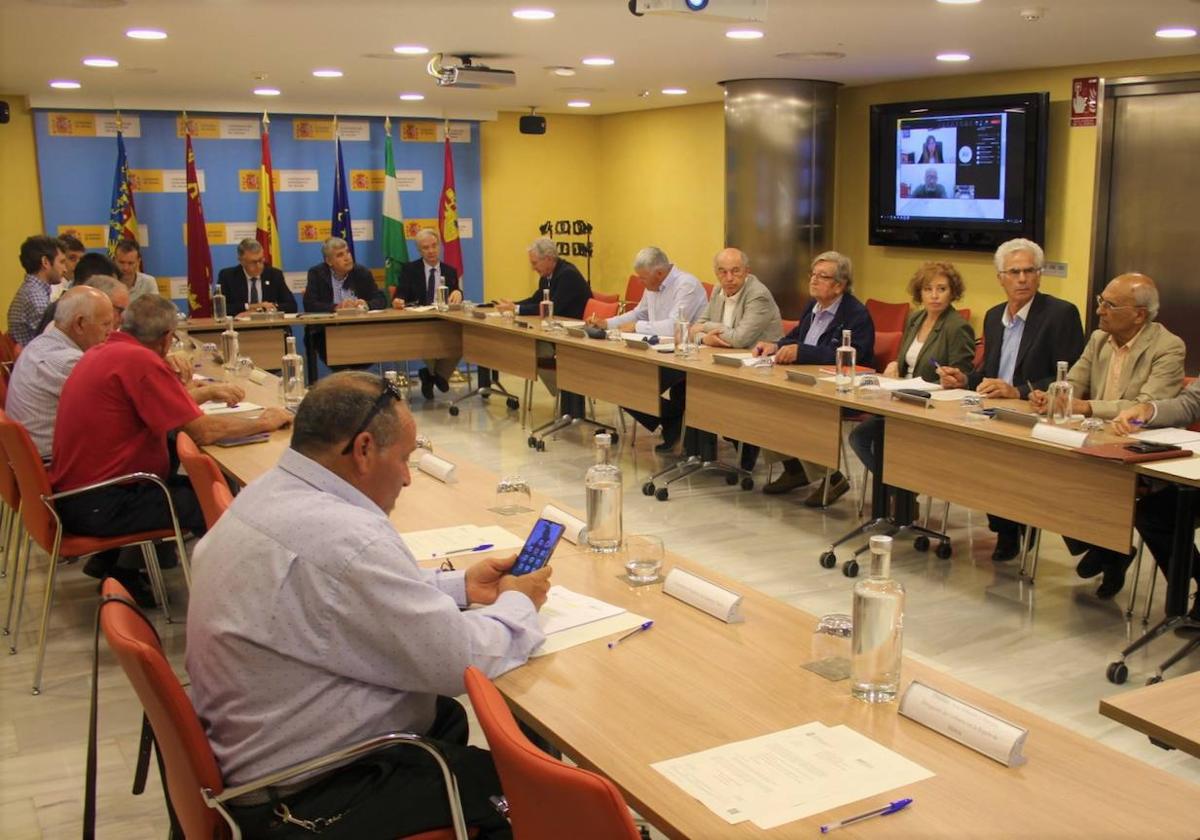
(1109, 306)
(389, 390)
(828, 278)
(1014, 273)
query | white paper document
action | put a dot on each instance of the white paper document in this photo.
(568, 619)
(745, 358)
(219, 407)
(889, 383)
(1179, 436)
(569, 322)
(949, 394)
(428, 307)
(426, 545)
(789, 775)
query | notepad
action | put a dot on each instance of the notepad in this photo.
(436, 541)
(569, 619)
(219, 407)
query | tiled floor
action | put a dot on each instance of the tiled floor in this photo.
(1043, 647)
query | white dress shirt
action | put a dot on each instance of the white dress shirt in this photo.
(37, 380)
(655, 312)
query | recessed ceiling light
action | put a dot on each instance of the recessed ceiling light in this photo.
(146, 34)
(1176, 32)
(744, 34)
(410, 49)
(562, 71)
(598, 61)
(953, 57)
(674, 91)
(328, 74)
(958, 2)
(266, 91)
(65, 84)
(97, 61)
(412, 97)
(579, 103)
(532, 14)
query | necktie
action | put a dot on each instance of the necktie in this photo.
(254, 290)
(432, 283)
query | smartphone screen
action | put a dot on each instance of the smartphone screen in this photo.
(538, 548)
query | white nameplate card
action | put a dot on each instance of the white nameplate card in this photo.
(970, 725)
(704, 595)
(1060, 435)
(439, 468)
(746, 359)
(573, 525)
(258, 376)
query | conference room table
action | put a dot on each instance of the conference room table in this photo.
(1167, 712)
(694, 682)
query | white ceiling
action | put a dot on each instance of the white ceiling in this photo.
(217, 49)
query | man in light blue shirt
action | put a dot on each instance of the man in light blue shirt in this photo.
(668, 288)
(312, 627)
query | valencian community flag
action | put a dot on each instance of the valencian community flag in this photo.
(267, 227)
(339, 222)
(199, 257)
(395, 246)
(448, 217)
(122, 218)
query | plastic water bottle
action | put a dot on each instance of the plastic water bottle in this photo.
(291, 375)
(877, 640)
(546, 310)
(603, 485)
(220, 313)
(229, 350)
(1060, 397)
(845, 364)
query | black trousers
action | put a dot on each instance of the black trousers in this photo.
(674, 382)
(1155, 521)
(394, 793)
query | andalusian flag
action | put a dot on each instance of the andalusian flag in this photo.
(199, 256)
(395, 246)
(267, 228)
(448, 216)
(122, 218)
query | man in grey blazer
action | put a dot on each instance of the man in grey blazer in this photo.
(742, 312)
(1130, 360)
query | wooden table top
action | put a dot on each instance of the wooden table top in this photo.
(1168, 711)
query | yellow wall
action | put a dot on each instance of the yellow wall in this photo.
(883, 272)
(20, 198)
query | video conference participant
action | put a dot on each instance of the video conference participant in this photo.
(814, 341)
(45, 265)
(336, 283)
(359, 640)
(1131, 359)
(254, 286)
(1025, 337)
(930, 188)
(417, 286)
(931, 150)
(129, 264)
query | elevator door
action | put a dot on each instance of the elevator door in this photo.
(1152, 223)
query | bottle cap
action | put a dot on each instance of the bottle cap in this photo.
(881, 544)
(604, 439)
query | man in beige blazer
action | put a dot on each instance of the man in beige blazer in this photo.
(743, 311)
(1131, 359)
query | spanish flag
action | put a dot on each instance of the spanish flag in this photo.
(267, 228)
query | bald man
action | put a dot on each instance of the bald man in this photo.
(1131, 359)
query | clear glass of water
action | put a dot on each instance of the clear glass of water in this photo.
(643, 558)
(831, 638)
(972, 405)
(424, 447)
(210, 351)
(512, 496)
(868, 387)
(614, 334)
(468, 308)
(509, 315)
(244, 366)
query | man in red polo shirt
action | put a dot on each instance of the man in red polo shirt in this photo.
(116, 409)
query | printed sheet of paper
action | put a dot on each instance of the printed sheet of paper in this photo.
(568, 619)
(1179, 436)
(950, 394)
(438, 541)
(218, 407)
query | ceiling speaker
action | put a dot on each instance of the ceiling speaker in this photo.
(533, 124)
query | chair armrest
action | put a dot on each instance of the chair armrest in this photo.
(108, 482)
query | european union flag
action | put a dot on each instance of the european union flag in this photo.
(339, 223)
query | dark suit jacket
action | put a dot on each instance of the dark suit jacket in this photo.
(271, 286)
(1053, 333)
(318, 296)
(413, 285)
(569, 291)
(851, 315)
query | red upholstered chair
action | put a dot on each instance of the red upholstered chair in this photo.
(887, 348)
(601, 308)
(203, 472)
(5, 373)
(980, 352)
(708, 289)
(788, 326)
(634, 289)
(9, 349)
(45, 528)
(222, 498)
(607, 298)
(12, 531)
(966, 314)
(198, 794)
(887, 317)
(547, 799)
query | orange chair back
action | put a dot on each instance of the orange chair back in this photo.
(186, 754)
(222, 498)
(708, 289)
(203, 472)
(547, 799)
(1188, 380)
(980, 352)
(607, 298)
(634, 289)
(32, 481)
(887, 348)
(10, 492)
(966, 315)
(9, 349)
(887, 317)
(788, 326)
(600, 308)
(4, 374)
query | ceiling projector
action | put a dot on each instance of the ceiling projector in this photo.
(469, 75)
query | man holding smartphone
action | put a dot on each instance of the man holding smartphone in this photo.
(312, 627)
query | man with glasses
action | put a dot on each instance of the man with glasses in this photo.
(311, 627)
(814, 341)
(252, 285)
(1130, 360)
(1025, 337)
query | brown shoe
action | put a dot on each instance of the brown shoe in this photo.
(793, 476)
(838, 485)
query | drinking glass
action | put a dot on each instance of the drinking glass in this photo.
(831, 639)
(643, 558)
(424, 447)
(869, 387)
(512, 496)
(244, 366)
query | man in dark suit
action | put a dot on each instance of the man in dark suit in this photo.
(1025, 337)
(336, 283)
(416, 286)
(814, 341)
(252, 285)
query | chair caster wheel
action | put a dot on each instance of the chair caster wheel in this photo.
(921, 543)
(661, 494)
(850, 568)
(512, 403)
(484, 394)
(540, 446)
(827, 560)
(532, 441)
(648, 488)
(1157, 678)
(1117, 673)
(453, 411)
(731, 480)
(747, 483)
(943, 551)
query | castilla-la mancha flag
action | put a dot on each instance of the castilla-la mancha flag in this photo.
(448, 217)
(199, 257)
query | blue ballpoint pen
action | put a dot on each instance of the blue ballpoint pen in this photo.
(482, 547)
(645, 625)
(898, 805)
